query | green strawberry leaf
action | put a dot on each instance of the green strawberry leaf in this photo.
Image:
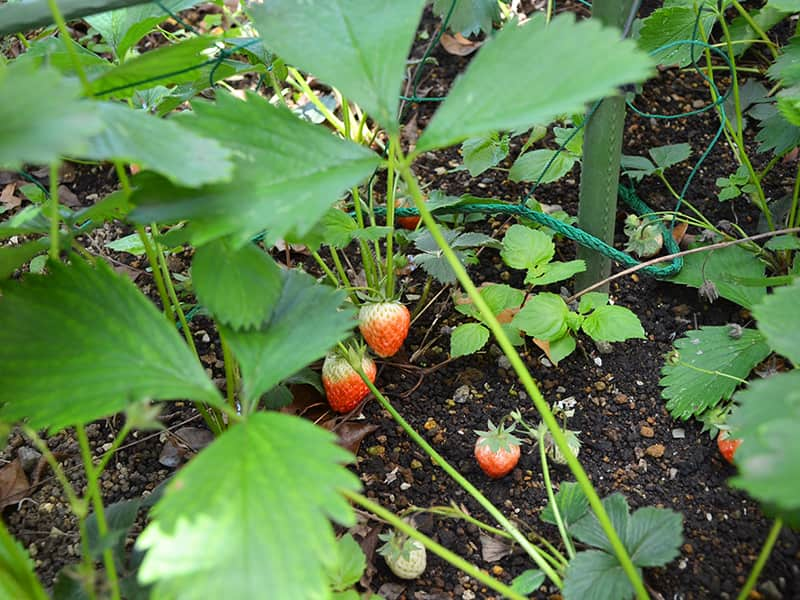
(779, 320)
(306, 322)
(525, 248)
(123, 28)
(469, 16)
(674, 24)
(240, 286)
(484, 152)
(17, 578)
(249, 513)
(160, 145)
(636, 167)
(722, 267)
(500, 297)
(543, 317)
(13, 257)
(592, 301)
(572, 504)
(282, 158)
(666, 156)
(555, 271)
(612, 324)
(542, 166)
(56, 121)
(787, 66)
(350, 564)
(653, 536)
(767, 418)
(538, 94)
(596, 575)
(528, 581)
(353, 48)
(561, 348)
(468, 338)
(589, 531)
(105, 344)
(706, 368)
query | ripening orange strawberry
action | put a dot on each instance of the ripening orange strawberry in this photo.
(384, 326)
(497, 450)
(727, 445)
(343, 386)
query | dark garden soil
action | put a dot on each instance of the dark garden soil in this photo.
(630, 443)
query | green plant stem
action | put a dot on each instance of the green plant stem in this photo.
(325, 268)
(54, 215)
(530, 386)
(299, 83)
(391, 185)
(533, 552)
(438, 549)
(756, 28)
(230, 372)
(423, 297)
(739, 133)
(96, 498)
(115, 444)
(342, 273)
(370, 270)
(152, 258)
(794, 221)
(562, 529)
(58, 18)
(766, 549)
(276, 87)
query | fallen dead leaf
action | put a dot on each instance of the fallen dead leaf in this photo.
(545, 346)
(351, 433)
(7, 197)
(507, 315)
(493, 549)
(182, 444)
(458, 45)
(679, 231)
(67, 197)
(14, 484)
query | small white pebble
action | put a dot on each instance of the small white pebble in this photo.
(678, 433)
(598, 361)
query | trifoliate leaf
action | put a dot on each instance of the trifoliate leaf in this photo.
(105, 344)
(706, 367)
(779, 320)
(612, 324)
(766, 419)
(250, 513)
(524, 248)
(353, 47)
(240, 286)
(484, 152)
(572, 504)
(500, 297)
(42, 117)
(653, 536)
(668, 25)
(596, 575)
(306, 322)
(592, 301)
(534, 95)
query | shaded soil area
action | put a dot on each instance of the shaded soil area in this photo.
(630, 443)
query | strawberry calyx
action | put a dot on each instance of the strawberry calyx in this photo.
(498, 437)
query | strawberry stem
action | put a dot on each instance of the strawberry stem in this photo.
(439, 550)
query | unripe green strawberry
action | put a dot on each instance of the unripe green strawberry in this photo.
(343, 386)
(384, 326)
(405, 556)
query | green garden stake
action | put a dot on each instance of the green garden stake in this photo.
(601, 157)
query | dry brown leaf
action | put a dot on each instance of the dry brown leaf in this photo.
(7, 197)
(507, 315)
(459, 45)
(182, 444)
(14, 484)
(544, 345)
(493, 549)
(67, 197)
(679, 231)
(351, 433)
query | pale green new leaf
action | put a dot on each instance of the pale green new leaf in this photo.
(596, 575)
(106, 346)
(544, 317)
(779, 320)
(161, 145)
(666, 156)
(591, 301)
(542, 166)
(122, 28)
(556, 271)
(17, 579)
(528, 581)
(500, 296)
(288, 173)
(469, 16)
(42, 116)
(767, 420)
(561, 348)
(612, 324)
(788, 6)
(707, 367)
(468, 338)
(306, 322)
(359, 47)
(524, 248)
(350, 564)
(250, 513)
(725, 268)
(240, 286)
(535, 89)
(668, 25)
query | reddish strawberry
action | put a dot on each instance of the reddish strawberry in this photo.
(343, 386)
(727, 445)
(384, 326)
(497, 450)
(406, 222)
